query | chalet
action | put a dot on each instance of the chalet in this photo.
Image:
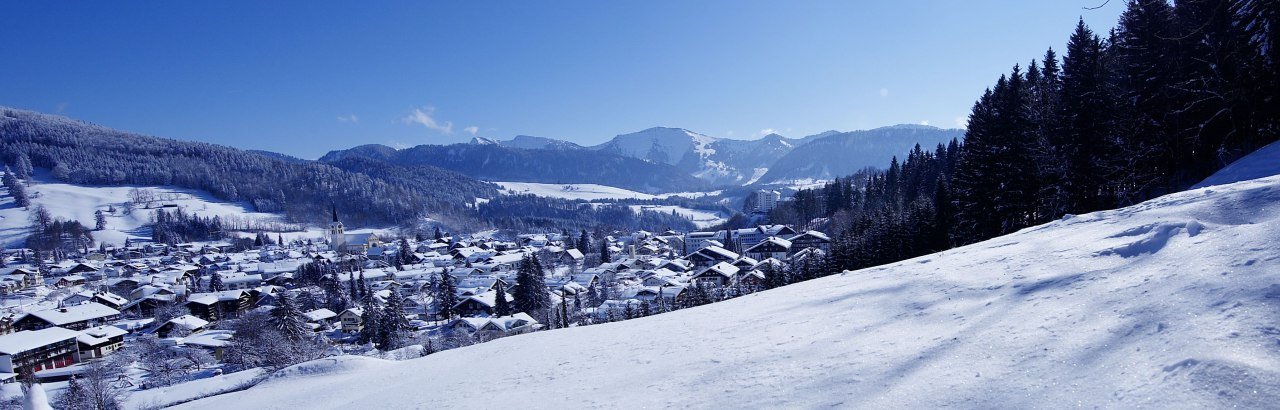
(771, 247)
(108, 299)
(488, 328)
(78, 317)
(481, 304)
(69, 281)
(30, 351)
(322, 318)
(711, 255)
(99, 341)
(720, 274)
(214, 306)
(181, 325)
(570, 257)
(810, 239)
(214, 341)
(351, 320)
(746, 263)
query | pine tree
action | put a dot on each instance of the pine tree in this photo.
(288, 319)
(99, 220)
(215, 282)
(24, 169)
(584, 241)
(1083, 139)
(500, 305)
(437, 235)
(604, 252)
(447, 295)
(1142, 49)
(531, 289)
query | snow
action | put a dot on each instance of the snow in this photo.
(1168, 303)
(36, 398)
(755, 176)
(25, 340)
(587, 192)
(701, 218)
(170, 395)
(1261, 163)
(78, 203)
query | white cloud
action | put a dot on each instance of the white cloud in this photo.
(424, 116)
(766, 131)
(472, 130)
(962, 122)
(349, 118)
(884, 92)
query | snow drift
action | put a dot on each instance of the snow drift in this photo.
(1169, 303)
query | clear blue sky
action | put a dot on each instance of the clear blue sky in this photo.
(303, 78)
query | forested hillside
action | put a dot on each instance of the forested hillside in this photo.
(498, 163)
(1173, 94)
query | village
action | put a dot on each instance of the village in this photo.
(367, 293)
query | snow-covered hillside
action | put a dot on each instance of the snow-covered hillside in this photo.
(1172, 303)
(79, 203)
(571, 191)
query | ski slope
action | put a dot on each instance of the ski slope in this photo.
(1172, 303)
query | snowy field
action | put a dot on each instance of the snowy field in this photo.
(700, 218)
(1172, 303)
(78, 203)
(587, 192)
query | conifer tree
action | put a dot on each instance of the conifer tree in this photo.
(500, 305)
(288, 319)
(531, 289)
(215, 282)
(99, 220)
(447, 295)
(604, 252)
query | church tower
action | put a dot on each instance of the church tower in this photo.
(337, 238)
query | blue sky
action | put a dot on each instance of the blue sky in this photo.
(303, 78)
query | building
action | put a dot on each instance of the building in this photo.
(810, 239)
(99, 341)
(344, 243)
(766, 200)
(30, 351)
(771, 247)
(351, 320)
(78, 317)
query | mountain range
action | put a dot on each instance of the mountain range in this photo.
(667, 156)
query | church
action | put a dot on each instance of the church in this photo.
(344, 243)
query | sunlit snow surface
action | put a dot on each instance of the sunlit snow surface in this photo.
(1172, 303)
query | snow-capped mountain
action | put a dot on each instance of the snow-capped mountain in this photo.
(1170, 303)
(839, 154)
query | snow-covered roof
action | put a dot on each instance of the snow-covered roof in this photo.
(25, 340)
(77, 313)
(320, 314)
(99, 334)
(188, 322)
(209, 338)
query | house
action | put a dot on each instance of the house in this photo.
(30, 351)
(322, 317)
(720, 274)
(481, 304)
(214, 341)
(810, 239)
(771, 247)
(69, 281)
(488, 328)
(214, 306)
(78, 317)
(711, 255)
(182, 325)
(108, 299)
(570, 257)
(99, 341)
(351, 320)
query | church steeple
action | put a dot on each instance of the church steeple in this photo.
(334, 209)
